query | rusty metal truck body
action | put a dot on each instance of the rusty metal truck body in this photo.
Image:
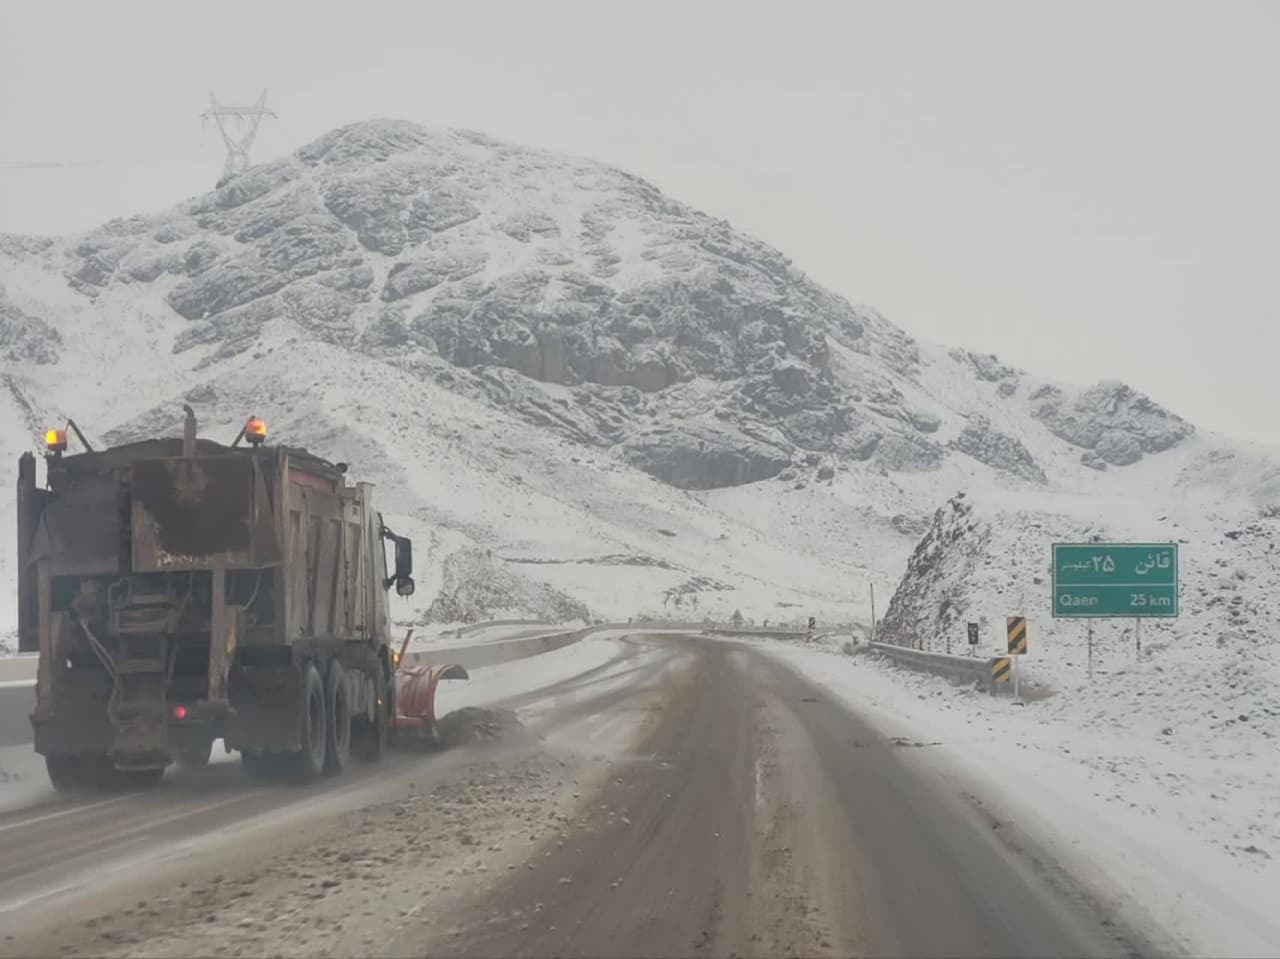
(181, 591)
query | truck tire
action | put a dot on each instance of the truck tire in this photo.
(74, 772)
(196, 756)
(338, 729)
(313, 728)
(369, 736)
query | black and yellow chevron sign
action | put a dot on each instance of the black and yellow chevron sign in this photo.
(1017, 635)
(1000, 669)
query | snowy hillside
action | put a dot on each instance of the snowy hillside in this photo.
(577, 394)
(987, 555)
(1162, 767)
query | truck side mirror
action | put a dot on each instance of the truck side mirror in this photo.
(403, 575)
(404, 566)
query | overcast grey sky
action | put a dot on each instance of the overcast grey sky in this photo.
(1087, 189)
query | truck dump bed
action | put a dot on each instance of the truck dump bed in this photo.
(146, 575)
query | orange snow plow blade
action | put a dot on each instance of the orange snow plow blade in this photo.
(415, 719)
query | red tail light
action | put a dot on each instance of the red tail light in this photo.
(179, 712)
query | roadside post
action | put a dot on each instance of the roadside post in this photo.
(1016, 632)
(973, 639)
(1115, 581)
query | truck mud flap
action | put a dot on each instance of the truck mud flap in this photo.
(265, 704)
(75, 718)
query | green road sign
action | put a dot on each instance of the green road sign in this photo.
(1134, 580)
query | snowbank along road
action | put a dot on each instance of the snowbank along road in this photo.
(637, 795)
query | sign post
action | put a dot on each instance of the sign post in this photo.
(973, 638)
(1115, 580)
(1016, 629)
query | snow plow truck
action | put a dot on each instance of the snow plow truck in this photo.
(180, 591)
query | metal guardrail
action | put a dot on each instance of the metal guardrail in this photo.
(480, 627)
(493, 653)
(756, 631)
(472, 656)
(964, 669)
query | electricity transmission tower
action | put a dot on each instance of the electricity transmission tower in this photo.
(240, 139)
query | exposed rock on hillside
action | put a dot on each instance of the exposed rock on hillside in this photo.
(390, 238)
(925, 605)
(25, 338)
(985, 366)
(475, 588)
(990, 446)
(705, 460)
(576, 295)
(1116, 423)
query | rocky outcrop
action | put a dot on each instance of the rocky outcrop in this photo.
(392, 239)
(625, 318)
(985, 366)
(930, 601)
(704, 459)
(997, 450)
(25, 338)
(1111, 420)
(907, 453)
(405, 279)
(477, 587)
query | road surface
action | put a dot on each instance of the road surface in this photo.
(19, 668)
(689, 797)
(16, 703)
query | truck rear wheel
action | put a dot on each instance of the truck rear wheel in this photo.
(313, 728)
(74, 772)
(338, 729)
(370, 735)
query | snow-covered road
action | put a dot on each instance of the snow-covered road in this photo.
(676, 796)
(1104, 833)
(1184, 839)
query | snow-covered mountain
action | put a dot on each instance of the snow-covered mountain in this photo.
(584, 398)
(561, 379)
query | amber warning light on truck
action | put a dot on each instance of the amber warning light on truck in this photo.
(255, 431)
(55, 441)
